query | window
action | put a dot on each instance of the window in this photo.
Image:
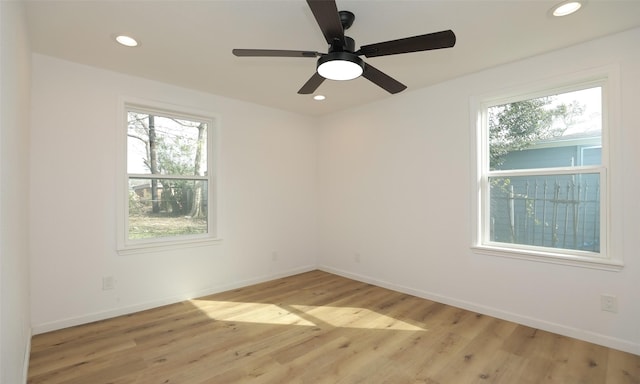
(542, 184)
(170, 183)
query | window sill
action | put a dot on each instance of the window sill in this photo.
(161, 246)
(552, 258)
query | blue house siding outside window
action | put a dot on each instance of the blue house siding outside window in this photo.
(558, 211)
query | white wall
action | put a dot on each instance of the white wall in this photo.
(396, 188)
(268, 186)
(14, 193)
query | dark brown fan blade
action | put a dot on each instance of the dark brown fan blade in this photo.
(382, 80)
(311, 85)
(274, 53)
(326, 14)
(436, 40)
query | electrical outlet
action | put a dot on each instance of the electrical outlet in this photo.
(356, 257)
(609, 303)
(274, 256)
(108, 283)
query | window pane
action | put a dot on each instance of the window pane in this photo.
(559, 211)
(165, 145)
(547, 132)
(167, 207)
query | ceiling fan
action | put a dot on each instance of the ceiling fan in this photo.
(343, 62)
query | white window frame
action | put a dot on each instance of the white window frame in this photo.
(127, 246)
(608, 258)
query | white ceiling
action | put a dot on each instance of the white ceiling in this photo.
(189, 43)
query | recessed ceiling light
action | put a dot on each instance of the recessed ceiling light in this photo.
(566, 8)
(319, 97)
(126, 41)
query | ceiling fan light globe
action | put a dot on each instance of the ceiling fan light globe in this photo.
(340, 66)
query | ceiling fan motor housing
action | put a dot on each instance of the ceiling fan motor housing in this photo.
(349, 45)
(343, 57)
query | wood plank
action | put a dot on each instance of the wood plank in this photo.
(623, 367)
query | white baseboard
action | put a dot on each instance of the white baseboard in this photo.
(576, 333)
(102, 315)
(27, 356)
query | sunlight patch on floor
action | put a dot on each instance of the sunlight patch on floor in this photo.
(305, 315)
(249, 312)
(353, 317)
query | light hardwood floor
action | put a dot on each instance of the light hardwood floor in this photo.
(318, 328)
